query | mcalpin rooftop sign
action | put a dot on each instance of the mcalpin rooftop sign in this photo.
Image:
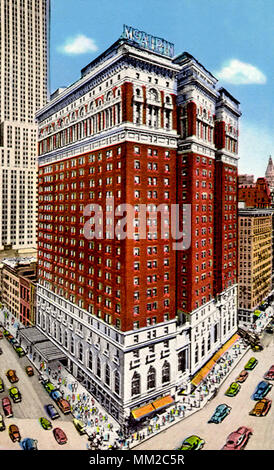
(161, 46)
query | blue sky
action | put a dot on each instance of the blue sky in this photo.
(232, 38)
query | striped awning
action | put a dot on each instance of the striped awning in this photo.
(201, 375)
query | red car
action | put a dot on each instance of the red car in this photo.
(242, 376)
(261, 408)
(1, 335)
(6, 404)
(238, 439)
(60, 436)
(270, 373)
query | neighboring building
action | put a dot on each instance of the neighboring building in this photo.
(255, 260)
(256, 194)
(269, 174)
(136, 317)
(23, 90)
(245, 179)
(18, 289)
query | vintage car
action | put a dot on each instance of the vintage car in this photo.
(261, 408)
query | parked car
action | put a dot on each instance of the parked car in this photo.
(63, 405)
(45, 423)
(15, 394)
(11, 375)
(49, 387)
(20, 351)
(269, 329)
(29, 371)
(1, 335)
(220, 413)
(269, 375)
(251, 363)
(262, 390)
(6, 333)
(14, 433)
(13, 340)
(9, 337)
(261, 408)
(7, 408)
(242, 376)
(52, 412)
(238, 439)
(2, 423)
(80, 426)
(192, 443)
(2, 387)
(233, 389)
(55, 395)
(60, 436)
(29, 444)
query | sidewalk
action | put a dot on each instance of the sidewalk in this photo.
(104, 432)
(192, 403)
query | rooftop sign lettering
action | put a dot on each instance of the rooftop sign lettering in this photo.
(161, 46)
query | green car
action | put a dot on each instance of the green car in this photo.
(20, 351)
(79, 425)
(192, 443)
(6, 333)
(45, 423)
(233, 389)
(15, 394)
(251, 363)
(49, 387)
(2, 388)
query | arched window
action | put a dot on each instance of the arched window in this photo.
(153, 95)
(72, 345)
(117, 382)
(136, 384)
(209, 342)
(80, 352)
(196, 353)
(66, 340)
(203, 348)
(90, 359)
(166, 372)
(98, 369)
(151, 378)
(107, 375)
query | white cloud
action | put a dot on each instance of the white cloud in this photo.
(256, 143)
(79, 44)
(240, 73)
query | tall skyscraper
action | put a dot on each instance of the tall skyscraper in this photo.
(23, 90)
(138, 316)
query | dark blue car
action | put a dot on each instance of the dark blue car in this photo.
(262, 389)
(52, 412)
(29, 444)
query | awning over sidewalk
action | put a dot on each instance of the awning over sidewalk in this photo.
(32, 335)
(49, 352)
(142, 411)
(150, 408)
(163, 402)
(211, 363)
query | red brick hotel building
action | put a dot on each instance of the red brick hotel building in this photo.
(135, 317)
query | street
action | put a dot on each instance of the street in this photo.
(26, 414)
(215, 434)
